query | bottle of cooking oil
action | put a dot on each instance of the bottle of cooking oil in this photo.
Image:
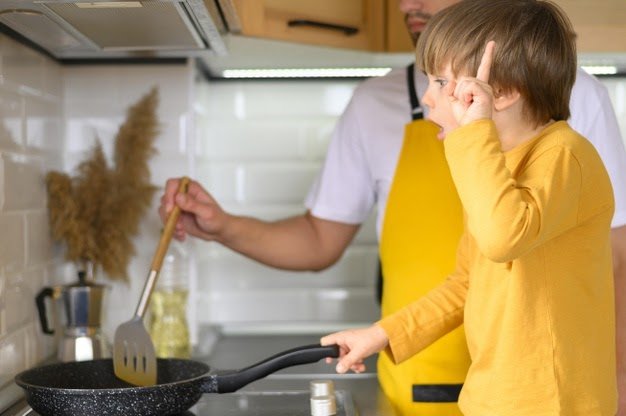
(168, 306)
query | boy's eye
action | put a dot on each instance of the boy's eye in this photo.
(442, 82)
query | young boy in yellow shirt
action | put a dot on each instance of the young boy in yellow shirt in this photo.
(533, 282)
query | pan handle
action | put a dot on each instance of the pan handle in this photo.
(233, 381)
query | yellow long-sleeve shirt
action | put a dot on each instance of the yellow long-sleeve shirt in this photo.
(533, 283)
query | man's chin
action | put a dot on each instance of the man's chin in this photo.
(414, 37)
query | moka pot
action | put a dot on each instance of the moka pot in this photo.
(81, 337)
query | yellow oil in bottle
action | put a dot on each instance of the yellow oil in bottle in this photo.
(168, 323)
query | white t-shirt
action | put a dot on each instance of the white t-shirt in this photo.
(366, 144)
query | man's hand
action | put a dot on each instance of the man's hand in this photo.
(200, 216)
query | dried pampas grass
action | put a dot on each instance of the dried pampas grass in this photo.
(97, 212)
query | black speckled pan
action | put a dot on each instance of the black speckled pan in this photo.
(90, 388)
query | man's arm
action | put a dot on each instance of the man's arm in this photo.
(303, 242)
(618, 240)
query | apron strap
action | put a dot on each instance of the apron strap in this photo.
(416, 109)
(416, 114)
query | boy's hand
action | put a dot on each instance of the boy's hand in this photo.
(473, 97)
(356, 345)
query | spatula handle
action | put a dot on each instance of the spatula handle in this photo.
(168, 231)
(161, 250)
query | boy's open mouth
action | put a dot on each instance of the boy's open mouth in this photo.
(440, 134)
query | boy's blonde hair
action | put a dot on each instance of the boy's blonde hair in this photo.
(535, 50)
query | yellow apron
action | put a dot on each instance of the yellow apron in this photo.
(421, 229)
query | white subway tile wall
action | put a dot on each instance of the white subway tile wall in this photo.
(259, 147)
(31, 142)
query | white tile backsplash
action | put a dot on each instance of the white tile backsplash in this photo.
(19, 308)
(224, 270)
(1, 184)
(277, 182)
(254, 140)
(24, 186)
(24, 68)
(274, 99)
(43, 123)
(38, 242)
(31, 130)
(288, 306)
(12, 243)
(12, 122)
(260, 146)
(13, 355)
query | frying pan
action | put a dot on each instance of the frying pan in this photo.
(90, 388)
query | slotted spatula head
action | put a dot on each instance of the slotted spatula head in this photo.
(134, 358)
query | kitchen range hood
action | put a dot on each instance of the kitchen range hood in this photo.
(122, 29)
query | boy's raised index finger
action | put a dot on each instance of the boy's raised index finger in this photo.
(485, 62)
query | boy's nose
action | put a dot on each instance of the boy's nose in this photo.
(426, 99)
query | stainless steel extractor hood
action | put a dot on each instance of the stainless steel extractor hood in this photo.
(120, 29)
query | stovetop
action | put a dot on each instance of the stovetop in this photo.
(258, 403)
(292, 403)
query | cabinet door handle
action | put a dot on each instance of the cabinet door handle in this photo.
(347, 30)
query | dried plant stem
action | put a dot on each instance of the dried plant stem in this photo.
(97, 212)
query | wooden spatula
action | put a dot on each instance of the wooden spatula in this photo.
(134, 359)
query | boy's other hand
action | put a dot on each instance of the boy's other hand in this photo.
(355, 345)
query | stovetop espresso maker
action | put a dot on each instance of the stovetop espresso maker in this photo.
(80, 337)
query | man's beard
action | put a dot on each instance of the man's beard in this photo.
(420, 15)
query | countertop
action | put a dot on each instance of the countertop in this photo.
(238, 351)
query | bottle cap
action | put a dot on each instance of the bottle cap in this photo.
(322, 388)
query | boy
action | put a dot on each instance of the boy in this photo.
(533, 282)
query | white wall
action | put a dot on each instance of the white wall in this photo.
(31, 142)
(260, 145)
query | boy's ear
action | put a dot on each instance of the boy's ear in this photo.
(505, 99)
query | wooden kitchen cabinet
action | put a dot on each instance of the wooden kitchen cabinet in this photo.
(600, 25)
(397, 36)
(353, 24)
(379, 25)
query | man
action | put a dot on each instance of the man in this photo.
(383, 152)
